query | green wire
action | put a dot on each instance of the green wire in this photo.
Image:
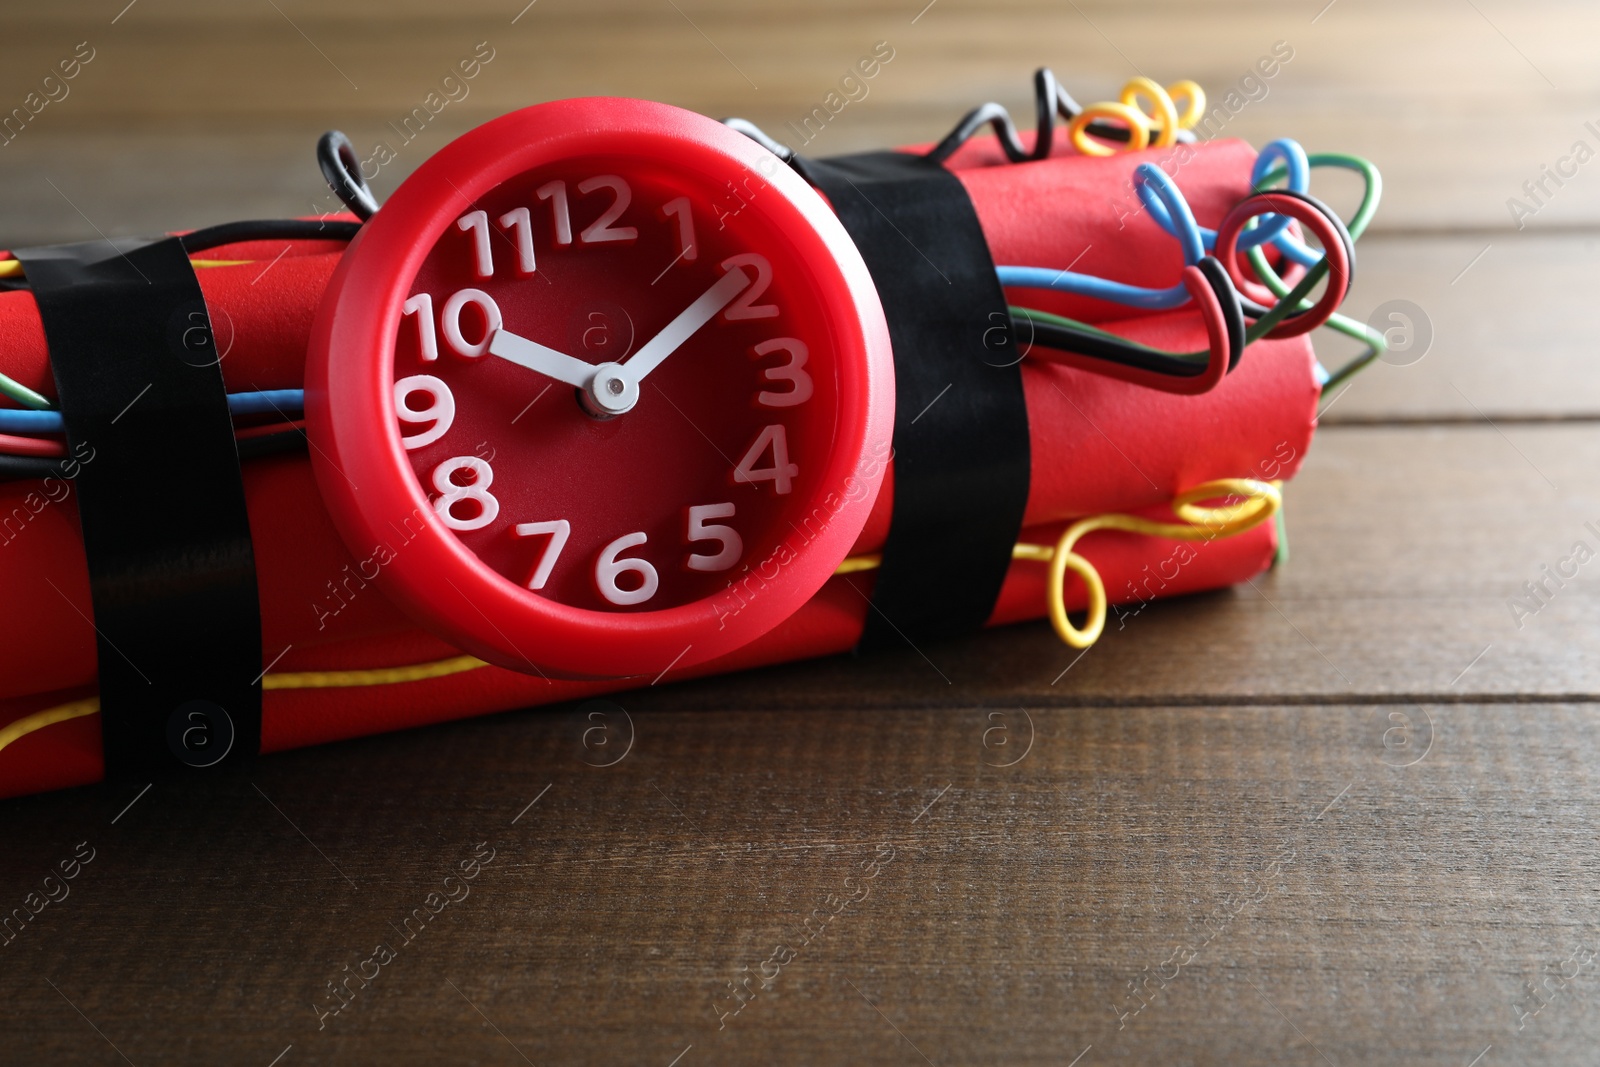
(1375, 341)
(1369, 201)
(1288, 299)
(23, 395)
(1254, 333)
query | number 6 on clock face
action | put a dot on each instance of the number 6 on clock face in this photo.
(641, 420)
(609, 569)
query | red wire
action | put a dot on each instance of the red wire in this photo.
(31, 446)
(1205, 299)
(269, 429)
(1333, 249)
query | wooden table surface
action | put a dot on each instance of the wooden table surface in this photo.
(1343, 814)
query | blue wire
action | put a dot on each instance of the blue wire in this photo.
(1272, 227)
(1161, 197)
(1159, 194)
(1268, 227)
(265, 402)
(1066, 281)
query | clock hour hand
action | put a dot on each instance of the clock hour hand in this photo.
(536, 357)
(688, 322)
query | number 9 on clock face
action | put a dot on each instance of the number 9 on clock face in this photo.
(633, 388)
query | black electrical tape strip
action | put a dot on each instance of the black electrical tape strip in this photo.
(35, 468)
(962, 461)
(171, 571)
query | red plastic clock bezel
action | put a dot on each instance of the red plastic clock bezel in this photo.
(367, 481)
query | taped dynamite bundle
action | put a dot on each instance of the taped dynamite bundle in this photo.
(608, 393)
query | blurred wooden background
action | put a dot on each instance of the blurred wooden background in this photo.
(1344, 814)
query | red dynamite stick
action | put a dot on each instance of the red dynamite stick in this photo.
(1098, 446)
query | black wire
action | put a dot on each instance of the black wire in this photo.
(272, 444)
(337, 159)
(1235, 307)
(1127, 353)
(30, 468)
(228, 233)
(269, 230)
(1049, 101)
(760, 137)
(1254, 309)
(1333, 217)
(342, 169)
(1228, 299)
(1066, 339)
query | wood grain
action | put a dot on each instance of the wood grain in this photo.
(1343, 814)
(1322, 898)
(1433, 90)
(1408, 545)
(1497, 325)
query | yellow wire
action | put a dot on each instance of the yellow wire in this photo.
(50, 716)
(383, 676)
(1195, 96)
(1164, 123)
(859, 563)
(1145, 128)
(301, 680)
(1131, 117)
(11, 268)
(1258, 502)
(1261, 501)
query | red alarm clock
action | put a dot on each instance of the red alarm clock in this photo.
(603, 389)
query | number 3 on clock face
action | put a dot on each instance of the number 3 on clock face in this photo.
(615, 387)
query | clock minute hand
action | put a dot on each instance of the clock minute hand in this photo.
(688, 322)
(536, 357)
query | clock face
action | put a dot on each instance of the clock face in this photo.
(613, 384)
(603, 388)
